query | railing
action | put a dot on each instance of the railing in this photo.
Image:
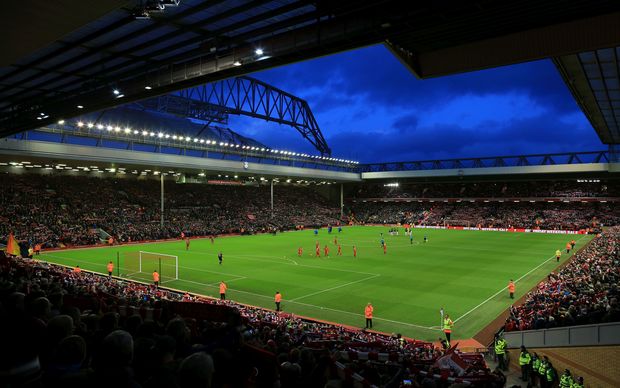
(584, 335)
(493, 161)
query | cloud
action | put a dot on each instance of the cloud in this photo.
(371, 108)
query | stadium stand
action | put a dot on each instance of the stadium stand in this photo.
(542, 188)
(583, 292)
(65, 211)
(530, 205)
(539, 215)
(77, 329)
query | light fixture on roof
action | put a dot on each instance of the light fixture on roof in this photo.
(148, 87)
(259, 51)
(90, 125)
(140, 14)
(170, 3)
(80, 124)
(61, 122)
(100, 126)
(237, 63)
(116, 92)
(120, 96)
(80, 107)
(154, 6)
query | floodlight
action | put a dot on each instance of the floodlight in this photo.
(61, 122)
(258, 51)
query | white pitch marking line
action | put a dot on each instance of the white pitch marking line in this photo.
(503, 289)
(361, 315)
(249, 257)
(271, 297)
(211, 284)
(334, 288)
(294, 262)
(103, 265)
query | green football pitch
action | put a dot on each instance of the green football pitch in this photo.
(465, 272)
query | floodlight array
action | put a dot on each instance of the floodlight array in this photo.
(210, 142)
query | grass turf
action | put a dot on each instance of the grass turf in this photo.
(465, 272)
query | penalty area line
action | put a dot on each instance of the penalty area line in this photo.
(334, 288)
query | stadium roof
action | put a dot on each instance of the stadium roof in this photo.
(593, 78)
(87, 49)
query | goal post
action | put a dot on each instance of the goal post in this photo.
(142, 262)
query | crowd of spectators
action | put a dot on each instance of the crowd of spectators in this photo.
(63, 210)
(61, 328)
(512, 189)
(583, 292)
(537, 215)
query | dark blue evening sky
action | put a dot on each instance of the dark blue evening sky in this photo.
(370, 108)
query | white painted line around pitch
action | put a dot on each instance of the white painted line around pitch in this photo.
(503, 289)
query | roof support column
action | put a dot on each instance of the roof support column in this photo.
(271, 184)
(161, 179)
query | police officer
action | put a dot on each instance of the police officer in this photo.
(525, 360)
(551, 374)
(500, 352)
(566, 380)
(535, 366)
(542, 372)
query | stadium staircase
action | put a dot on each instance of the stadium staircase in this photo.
(102, 234)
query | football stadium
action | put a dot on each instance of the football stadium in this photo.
(188, 200)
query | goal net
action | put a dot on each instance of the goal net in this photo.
(141, 262)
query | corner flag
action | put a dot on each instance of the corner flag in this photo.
(12, 246)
